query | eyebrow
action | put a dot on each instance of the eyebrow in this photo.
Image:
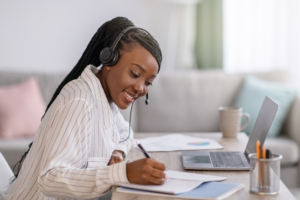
(139, 66)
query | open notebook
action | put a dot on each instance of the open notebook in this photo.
(178, 182)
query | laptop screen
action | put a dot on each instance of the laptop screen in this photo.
(262, 125)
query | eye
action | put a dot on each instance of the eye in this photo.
(134, 74)
(148, 83)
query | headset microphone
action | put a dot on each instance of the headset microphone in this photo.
(147, 99)
(147, 102)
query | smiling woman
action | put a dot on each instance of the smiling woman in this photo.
(78, 151)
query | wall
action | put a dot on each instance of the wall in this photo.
(50, 36)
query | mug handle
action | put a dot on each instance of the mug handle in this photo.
(247, 122)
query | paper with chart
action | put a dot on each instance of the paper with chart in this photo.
(177, 142)
(178, 182)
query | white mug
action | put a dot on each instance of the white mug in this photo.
(230, 120)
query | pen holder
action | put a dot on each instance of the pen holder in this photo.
(264, 174)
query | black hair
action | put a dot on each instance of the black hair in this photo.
(105, 37)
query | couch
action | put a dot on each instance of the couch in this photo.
(182, 101)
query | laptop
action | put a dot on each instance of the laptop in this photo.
(234, 160)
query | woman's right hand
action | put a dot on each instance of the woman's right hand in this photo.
(146, 172)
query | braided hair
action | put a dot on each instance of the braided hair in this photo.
(104, 37)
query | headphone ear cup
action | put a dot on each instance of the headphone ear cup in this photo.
(109, 57)
(115, 58)
(106, 55)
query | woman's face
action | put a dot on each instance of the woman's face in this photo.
(131, 77)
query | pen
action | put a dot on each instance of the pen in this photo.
(142, 148)
(268, 155)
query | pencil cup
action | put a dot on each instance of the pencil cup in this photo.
(265, 174)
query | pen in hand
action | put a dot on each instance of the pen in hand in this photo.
(142, 148)
(146, 154)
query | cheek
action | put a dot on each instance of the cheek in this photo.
(125, 81)
(118, 83)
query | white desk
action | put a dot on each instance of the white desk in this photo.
(172, 160)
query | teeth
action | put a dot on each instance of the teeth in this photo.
(128, 95)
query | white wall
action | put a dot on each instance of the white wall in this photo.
(50, 36)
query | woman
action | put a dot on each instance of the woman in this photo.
(79, 149)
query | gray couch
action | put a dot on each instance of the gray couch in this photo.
(183, 101)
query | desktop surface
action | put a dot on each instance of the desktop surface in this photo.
(173, 161)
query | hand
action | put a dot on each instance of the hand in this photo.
(146, 172)
(116, 157)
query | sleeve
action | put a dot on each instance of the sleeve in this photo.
(63, 168)
(123, 128)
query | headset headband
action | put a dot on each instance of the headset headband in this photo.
(122, 33)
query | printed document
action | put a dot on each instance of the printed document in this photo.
(177, 142)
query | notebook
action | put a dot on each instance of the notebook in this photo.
(234, 160)
(209, 190)
(178, 182)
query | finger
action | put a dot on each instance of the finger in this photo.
(156, 181)
(158, 165)
(158, 173)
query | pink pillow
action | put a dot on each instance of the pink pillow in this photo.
(21, 109)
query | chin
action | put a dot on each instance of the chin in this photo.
(123, 106)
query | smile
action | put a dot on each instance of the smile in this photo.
(129, 97)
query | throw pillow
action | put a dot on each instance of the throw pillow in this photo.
(252, 94)
(21, 109)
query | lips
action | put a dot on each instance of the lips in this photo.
(129, 96)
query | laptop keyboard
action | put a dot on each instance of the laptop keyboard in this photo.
(228, 159)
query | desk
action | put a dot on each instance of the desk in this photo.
(172, 160)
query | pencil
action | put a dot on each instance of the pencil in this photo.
(258, 157)
(263, 172)
(263, 152)
(258, 149)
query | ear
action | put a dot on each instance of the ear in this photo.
(108, 68)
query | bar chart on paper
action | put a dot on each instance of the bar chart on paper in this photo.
(178, 142)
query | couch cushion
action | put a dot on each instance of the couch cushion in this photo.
(21, 109)
(252, 94)
(47, 82)
(286, 147)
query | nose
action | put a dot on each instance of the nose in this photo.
(139, 88)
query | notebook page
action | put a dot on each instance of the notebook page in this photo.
(171, 186)
(193, 176)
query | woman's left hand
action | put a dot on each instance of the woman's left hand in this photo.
(116, 157)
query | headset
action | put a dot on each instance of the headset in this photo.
(109, 56)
